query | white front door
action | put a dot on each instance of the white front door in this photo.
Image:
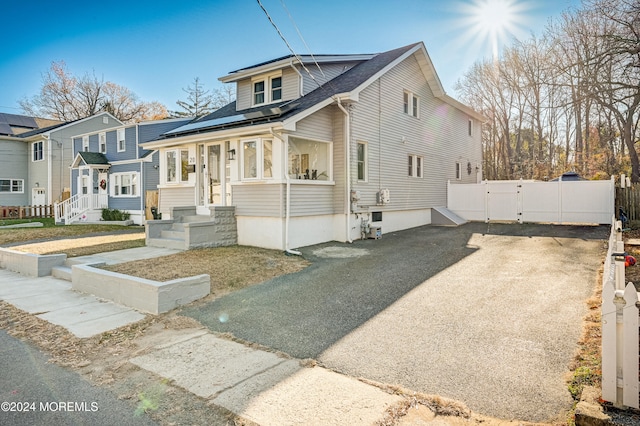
(38, 197)
(215, 175)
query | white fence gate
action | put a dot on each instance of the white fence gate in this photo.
(528, 201)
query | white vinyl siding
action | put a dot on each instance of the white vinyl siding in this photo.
(439, 137)
(177, 196)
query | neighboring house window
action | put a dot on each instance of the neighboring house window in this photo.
(458, 170)
(257, 159)
(102, 138)
(12, 185)
(267, 90)
(470, 127)
(124, 184)
(362, 161)
(85, 143)
(38, 154)
(415, 166)
(177, 160)
(411, 104)
(122, 144)
(309, 159)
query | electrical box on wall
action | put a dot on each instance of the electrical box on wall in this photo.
(382, 197)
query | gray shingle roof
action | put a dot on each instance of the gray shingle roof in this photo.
(345, 82)
(94, 158)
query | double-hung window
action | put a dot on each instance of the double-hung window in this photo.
(102, 143)
(122, 144)
(362, 161)
(411, 104)
(267, 89)
(85, 143)
(12, 185)
(415, 166)
(177, 161)
(257, 159)
(38, 151)
(124, 184)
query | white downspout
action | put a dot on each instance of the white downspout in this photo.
(301, 79)
(347, 155)
(285, 155)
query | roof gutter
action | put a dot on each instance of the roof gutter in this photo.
(347, 156)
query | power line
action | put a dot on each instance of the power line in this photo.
(287, 43)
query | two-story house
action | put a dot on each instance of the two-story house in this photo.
(111, 170)
(34, 165)
(320, 149)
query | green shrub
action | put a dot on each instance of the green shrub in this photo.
(114, 215)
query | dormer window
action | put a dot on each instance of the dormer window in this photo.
(267, 89)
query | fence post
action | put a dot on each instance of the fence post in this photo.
(630, 347)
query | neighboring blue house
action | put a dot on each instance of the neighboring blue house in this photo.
(111, 170)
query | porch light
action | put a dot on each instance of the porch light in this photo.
(231, 154)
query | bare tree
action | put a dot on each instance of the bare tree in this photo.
(199, 101)
(66, 97)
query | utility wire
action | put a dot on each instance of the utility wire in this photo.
(302, 38)
(288, 45)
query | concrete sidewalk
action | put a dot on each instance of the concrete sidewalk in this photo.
(82, 314)
(257, 385)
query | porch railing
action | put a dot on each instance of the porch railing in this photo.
(73, 208)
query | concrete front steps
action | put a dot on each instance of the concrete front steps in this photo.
(188, 230)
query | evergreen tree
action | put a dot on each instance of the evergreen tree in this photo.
(199, 101)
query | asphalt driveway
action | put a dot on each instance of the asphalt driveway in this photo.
(488, 314)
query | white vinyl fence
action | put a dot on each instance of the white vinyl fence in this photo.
(619, 328)
(528, 201)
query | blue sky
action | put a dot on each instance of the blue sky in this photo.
(156, 48)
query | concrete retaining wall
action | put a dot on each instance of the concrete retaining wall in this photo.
(34, 265)
(139, 293)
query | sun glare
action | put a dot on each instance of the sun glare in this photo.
(494, 21)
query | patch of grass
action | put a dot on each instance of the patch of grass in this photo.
(15, 235)
(46, 222)
(230, 268)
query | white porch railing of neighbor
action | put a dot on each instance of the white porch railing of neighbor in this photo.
(620, 383)
(71, 209)
(528, 201)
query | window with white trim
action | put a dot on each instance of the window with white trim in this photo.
(257, 159)
(38, 151)
(267, 89)
(122, 143)
(177, 162)
(411, 104)
(309, 159)
(362, 161)
(15, 186)
(415, 166)
(102, 143)
(124, 184)
(85, 143)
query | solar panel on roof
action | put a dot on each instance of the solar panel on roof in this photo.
(19, 120)
(207, 123)
(5, 129)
